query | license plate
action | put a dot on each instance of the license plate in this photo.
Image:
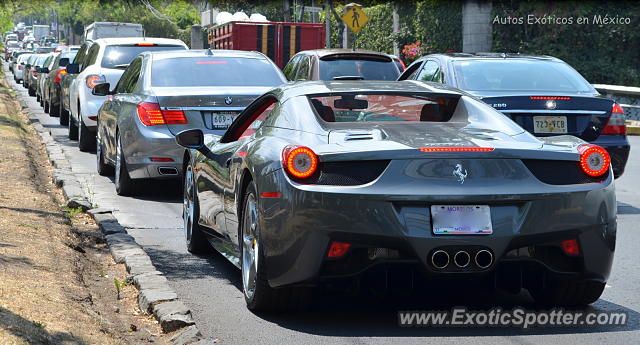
(219, 120)
(550, 124)
(461, 220)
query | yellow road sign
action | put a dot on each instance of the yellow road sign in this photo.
(355, 18)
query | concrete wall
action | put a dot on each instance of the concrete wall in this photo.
(476, 26)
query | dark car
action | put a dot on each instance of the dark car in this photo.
(163, 93)
(342, 64)
(318, 181)
(542, 94)
(52, 90)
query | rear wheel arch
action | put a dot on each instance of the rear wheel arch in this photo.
(245, 179)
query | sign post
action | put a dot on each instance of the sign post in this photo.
(354, 18)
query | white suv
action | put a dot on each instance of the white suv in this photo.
(104, 62)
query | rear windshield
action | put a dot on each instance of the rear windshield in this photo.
(358, 68)
(121, 55)
(214, 71)
(518, 75)
(352, 107)
(13, 45)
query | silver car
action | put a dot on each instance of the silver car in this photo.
(163, 93)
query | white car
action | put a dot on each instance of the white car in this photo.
(18, 69)
(104, 62)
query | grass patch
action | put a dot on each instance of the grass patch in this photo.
(71, 213)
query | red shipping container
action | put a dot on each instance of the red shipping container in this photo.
(277, 40)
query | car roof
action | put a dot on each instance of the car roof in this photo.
(170, 54)
(491, 56)
(134, 40)
(331, 51)
(338, 86)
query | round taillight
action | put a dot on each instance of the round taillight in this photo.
(299, 161)
(594, 160)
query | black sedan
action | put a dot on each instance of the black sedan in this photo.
(542, 94)
(316, 181)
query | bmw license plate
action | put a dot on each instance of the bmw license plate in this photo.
(550, 124)
(219, 120)
(461, 220)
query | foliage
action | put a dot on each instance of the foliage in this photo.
(436, 23)
(602, 53)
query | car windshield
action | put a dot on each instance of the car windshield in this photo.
(69, 55)
(358, 69)
(41, 60)
(214, 71)
(119, 56)
(362, 107)
(518, 75)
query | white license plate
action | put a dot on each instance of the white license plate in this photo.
(219, 120)
(461, 220)
(550, 124)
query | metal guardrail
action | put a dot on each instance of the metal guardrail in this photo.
(627, 96)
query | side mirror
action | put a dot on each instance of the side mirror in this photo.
(63, 62)
(191, 139)
(73, 68)
(101, 89)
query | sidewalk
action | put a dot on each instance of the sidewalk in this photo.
(56, 278)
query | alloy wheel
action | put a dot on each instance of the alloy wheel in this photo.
(250, 247)
(188, 203)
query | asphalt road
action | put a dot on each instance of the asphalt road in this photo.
(211, 287)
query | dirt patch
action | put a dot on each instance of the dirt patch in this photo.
(57, 280)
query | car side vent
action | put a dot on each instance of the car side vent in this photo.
(352, 173)
(558, 172)
(358, 136)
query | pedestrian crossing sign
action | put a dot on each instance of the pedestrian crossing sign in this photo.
(354, 17)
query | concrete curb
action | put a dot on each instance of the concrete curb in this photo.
(155, 296)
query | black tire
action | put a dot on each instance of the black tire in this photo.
(86, 138)
(38, 99)
(31, 92)
(568, 293)
(125, 186)
(64, 115)
(103, 168)
(46, 107)
(73, 129)
(264, 297)
(54, 111)
(197, 242)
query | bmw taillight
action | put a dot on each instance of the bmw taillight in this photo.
(94, 79)
(616, 124)
(58, 77)
(150, 114)
(594, 160)
(299, 161)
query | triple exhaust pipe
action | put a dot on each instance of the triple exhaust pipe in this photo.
(482, 258)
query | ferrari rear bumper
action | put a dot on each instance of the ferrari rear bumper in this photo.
(386, 226)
